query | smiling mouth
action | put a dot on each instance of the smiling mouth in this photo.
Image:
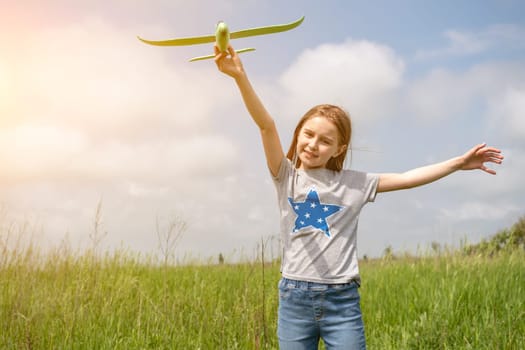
(309, 154)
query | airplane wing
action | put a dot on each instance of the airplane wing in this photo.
(181, 41)
(266, 30)
(207, 57)
(233, 35)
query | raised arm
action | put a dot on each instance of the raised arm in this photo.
(475, 158)
(232, 66)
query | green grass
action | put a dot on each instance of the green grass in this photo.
(124, 301)
(450, 302)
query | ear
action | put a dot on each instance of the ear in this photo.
(341, 149)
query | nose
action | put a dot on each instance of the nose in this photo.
(313, 143)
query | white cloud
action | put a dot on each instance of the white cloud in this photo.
(102, 79)
(444, 94)
(97, 114)
(5, 86)
(439, 95)
(92, 102)
(140, 190)
(52, 153)
(29, 151)
(359, 75)
(507, 111)
(479, 211)
(89, 113)
(460, 43)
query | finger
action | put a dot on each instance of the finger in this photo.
(231, 50)
(217, 50)
(488, 170)
(217, 59)
(492, 150)
(219, 56)
(479, 149)
(492, 155)
(489, 153)
(219, 62)
(495, 156)
(495, 160)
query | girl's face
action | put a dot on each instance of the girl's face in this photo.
(317, 143)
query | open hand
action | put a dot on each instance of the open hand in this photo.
(479, 155)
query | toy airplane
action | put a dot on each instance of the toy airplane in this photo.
(222, 37)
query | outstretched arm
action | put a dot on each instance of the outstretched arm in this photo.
(232, 66)
(475, 158)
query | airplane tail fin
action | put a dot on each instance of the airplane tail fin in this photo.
(207, 57)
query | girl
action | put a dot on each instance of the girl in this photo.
(319, 204)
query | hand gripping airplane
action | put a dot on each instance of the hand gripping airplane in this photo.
(222, 37)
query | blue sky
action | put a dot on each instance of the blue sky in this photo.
(88, 113)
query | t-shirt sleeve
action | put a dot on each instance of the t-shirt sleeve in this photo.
(372, 180)
(283, 172)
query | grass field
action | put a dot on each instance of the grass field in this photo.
(124, 301)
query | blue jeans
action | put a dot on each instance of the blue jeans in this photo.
(309, 311)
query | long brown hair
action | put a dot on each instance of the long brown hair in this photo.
(341, 120)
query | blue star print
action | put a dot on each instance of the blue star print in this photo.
(312, 212)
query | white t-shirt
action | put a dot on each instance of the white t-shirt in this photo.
(319, 212)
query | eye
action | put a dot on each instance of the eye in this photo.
(327, 142)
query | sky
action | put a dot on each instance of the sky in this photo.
(91, 118)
